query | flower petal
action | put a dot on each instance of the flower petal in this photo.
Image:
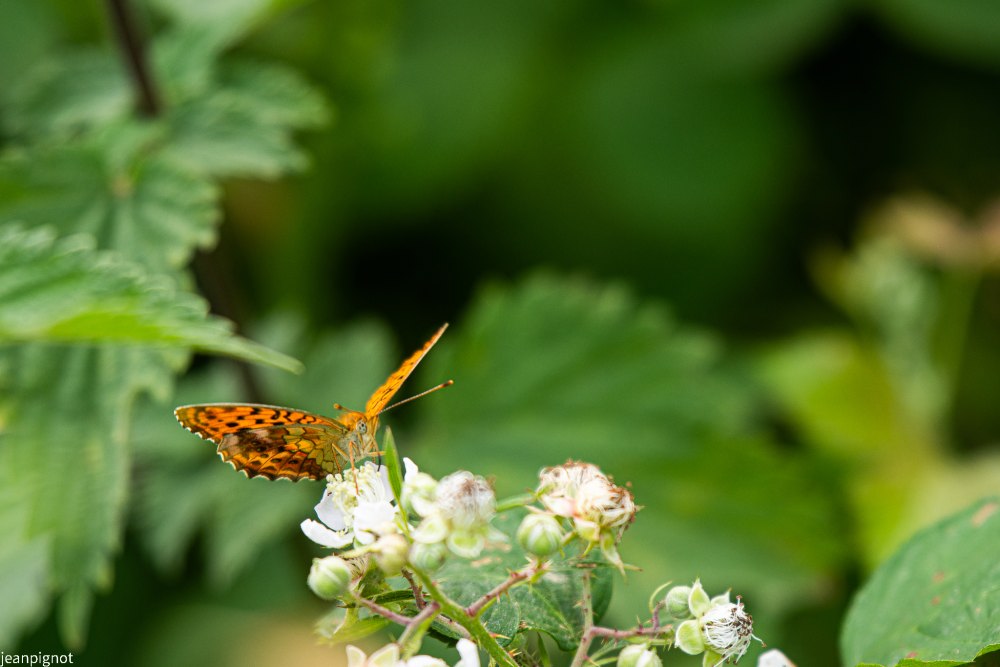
(323, 536)
(469, 652)
(329, 513)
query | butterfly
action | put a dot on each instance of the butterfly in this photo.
(271, 441)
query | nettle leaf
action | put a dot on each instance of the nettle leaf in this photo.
(66, 291)
(554, 368)
(24, 567)
(64, 459)
(63, 96)
(934, 601)
(231, 117)
(129, 199)
(229, 19)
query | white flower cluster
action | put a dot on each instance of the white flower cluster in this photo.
(715, 626)
(454, 514)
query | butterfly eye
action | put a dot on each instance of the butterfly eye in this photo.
(362, 426)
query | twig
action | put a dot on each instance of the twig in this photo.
(395, 617)
(135, 57)
(515, 578)
(418, 593)
(588, 624)
(417, 626)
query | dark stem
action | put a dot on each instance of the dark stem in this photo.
(514, 578)
(418, 593)
(123, 23)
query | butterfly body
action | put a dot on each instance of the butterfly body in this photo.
(277, 442)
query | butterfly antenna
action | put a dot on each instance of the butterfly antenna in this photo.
(421, 394)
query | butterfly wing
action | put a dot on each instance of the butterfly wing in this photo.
(384, 394)
(268, 440)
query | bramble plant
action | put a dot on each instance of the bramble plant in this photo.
(423, 554)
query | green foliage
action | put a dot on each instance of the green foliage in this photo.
(101, 211)
(934, 601)
(614, 381)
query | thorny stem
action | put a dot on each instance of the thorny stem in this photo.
(474, 627)
(418, 593)
(591, 631)
(515, 578)
(400, 619)
(132, 47)
(588, 624)
(417, 626)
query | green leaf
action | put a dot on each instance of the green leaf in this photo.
(62, 96)
(934, 601)
(393, 464)
(242, 124)
(64, 457)
(112, 187)
(556, 368)
(230, 19)
(65, 291)
(337, 629)
(24, 567)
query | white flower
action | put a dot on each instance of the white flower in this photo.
(728, 630)
(455, 511)
(580, 491)
(356, 506)
(774, 658)
(466, 500)
(388, 656)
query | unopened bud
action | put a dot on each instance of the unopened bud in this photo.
(698, 600)
(638, 655)
(540, 534)
(428, 557)
(390, 553)
(675, 603)
(329, 577)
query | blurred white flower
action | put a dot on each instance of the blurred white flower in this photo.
(580, 491)
(774, 658)
(356, 506)
(388, 656)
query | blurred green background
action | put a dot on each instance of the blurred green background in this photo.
(739, 254)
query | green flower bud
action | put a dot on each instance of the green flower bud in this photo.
(428, 557)
(712, 659)
(638, 655)
(329, 577)
(540, 534)
(675, 603)
(433, 528)
(390, 553)
(688, 638)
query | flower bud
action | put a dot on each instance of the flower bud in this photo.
(638, 655)
(432, 529)
(427, 557)
(390, 553)
(688, 638)
(329, 577)
(540, 534)
(675, 603)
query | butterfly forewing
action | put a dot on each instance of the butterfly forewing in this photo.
(269, 440)
(384, 394)
(272, 441)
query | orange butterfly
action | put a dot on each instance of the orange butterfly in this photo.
(271, 441)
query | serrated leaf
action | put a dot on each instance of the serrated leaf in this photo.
(64, 457)
(228, 18)
(242, 125)
(24, 567)
(555, 368)
(66, 95)
(139, 204)
(934, 601)
(65, 291)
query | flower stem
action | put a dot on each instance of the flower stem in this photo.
(135, 56)
(588, 623)
(410, 640)
(473, 625)
(515, 578)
